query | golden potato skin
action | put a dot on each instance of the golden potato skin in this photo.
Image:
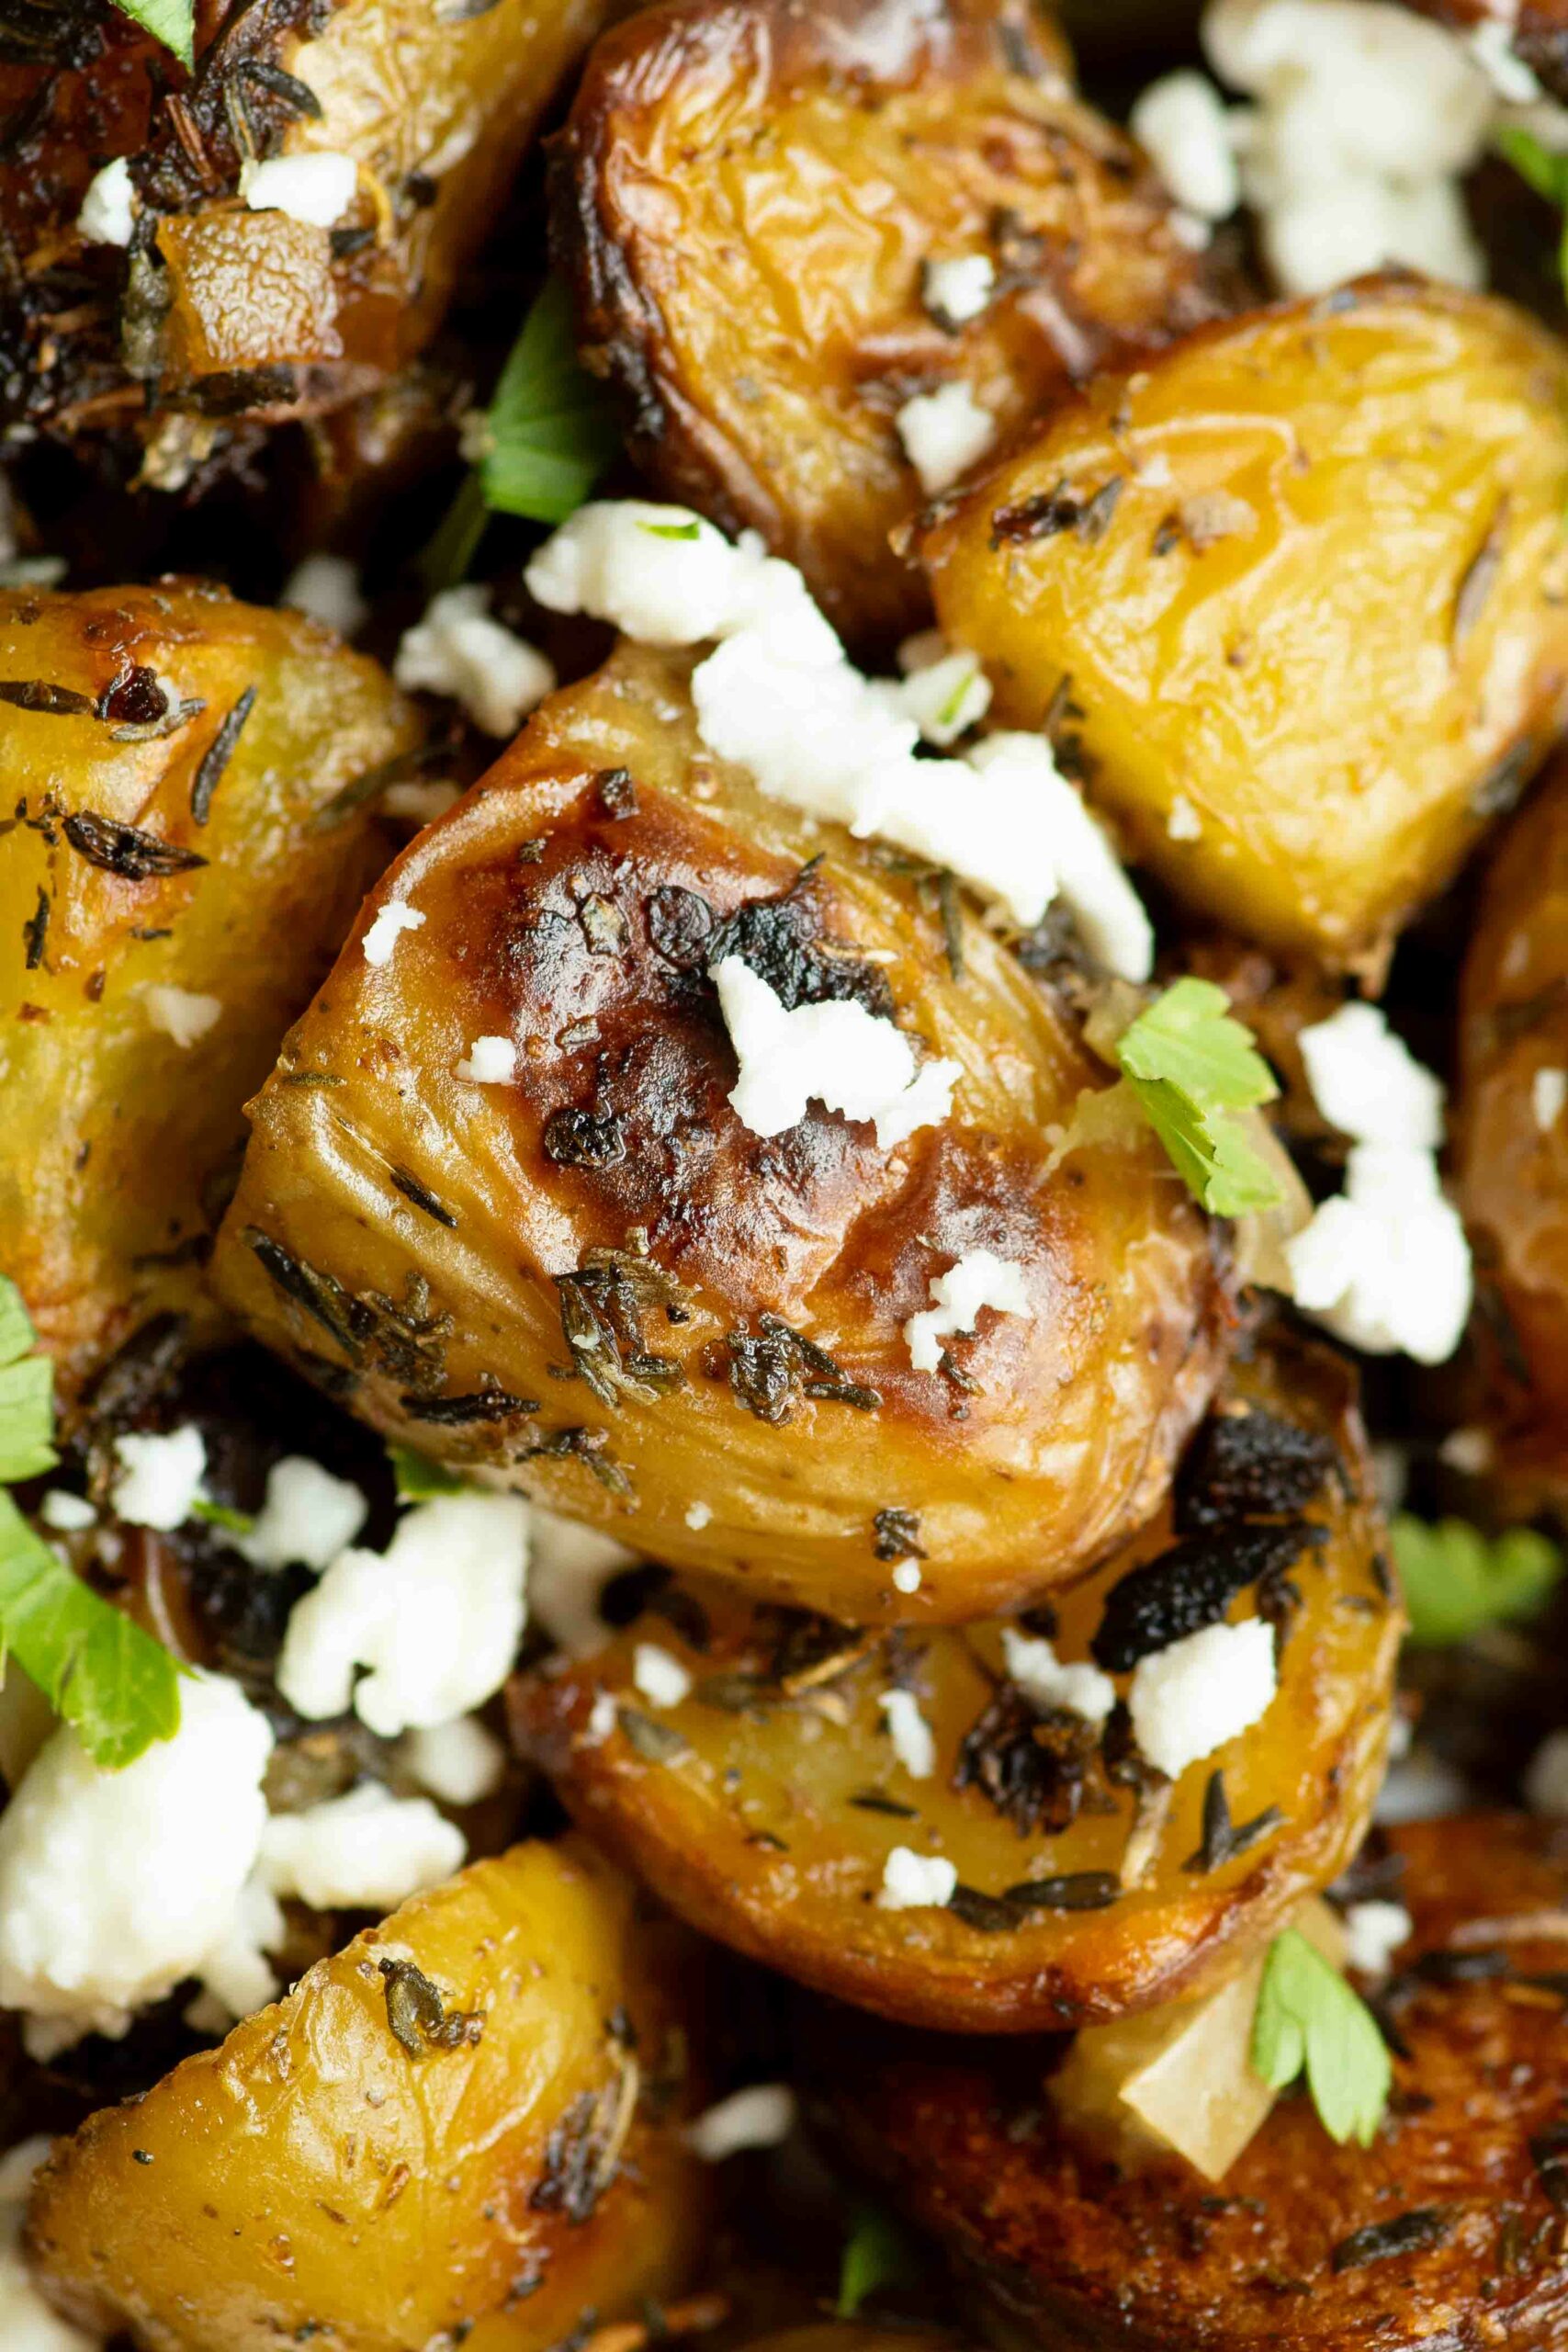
(763, 313)
(583, 930)
(1316, 634)
(1068, 2249)
(746, 1807)
(312, 2177)
(118, 1144)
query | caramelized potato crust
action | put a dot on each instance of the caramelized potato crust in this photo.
(323, 2176)
(1447, 2230)
(764, 1806)
(763, 310)
(124, 718)
(1294, 590)
(594, 1281)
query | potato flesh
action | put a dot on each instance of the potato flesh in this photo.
(312, 2176)
(1321, 634)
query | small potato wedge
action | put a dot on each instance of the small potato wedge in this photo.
(765, 314)
(764, 1805)
(167, 754)
(1295, 592)
(595, 1282)
(1447, 2230)
(339, 2170)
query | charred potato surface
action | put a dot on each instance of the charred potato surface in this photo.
(379, 2166)
(764, 1806)
(1448, 2231)
(594, 1281)
(1296, 588)
(167, 752)
(748, 197)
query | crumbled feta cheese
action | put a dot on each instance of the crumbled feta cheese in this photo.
(1180, 120)
(381, 937)
(26, 2322)
(459, 650)
(1032, 1662)
(906, 1575)
(910, 1732)
(569, 1566)
(665, 577)
(436, 1619)
(944, 696)
(912, 1882)
(67, 1513)
(1549, 1095)
(1368, 1083)
(109, 210)
(460, 1762)
(979, 1279)
(1190, 229)
(307, 1515)
(490, 1061)
(943, 433)
(1384, 1265)
(366, 1851)
(1189, 1698)
(958, 288)
(1546, 1781)
(1469, 1451)
(114, 1885)
(661, 1679)
(181, 1013)
(836, 1053)
(317, 189)
(327, 588)
(1492, 46)
(237, 1977)
(420, 804)
(1107, 913)
(698, 1516)
(760, 2116)
(601, 1719)
(1373, 1933)
(159, 1477)
(1183, 823)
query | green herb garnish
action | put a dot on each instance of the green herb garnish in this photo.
(877, 2253)
(224, 1515)
(1308, 2018)
(171, 21)
(27, 1394)
(553, 429)
(417, 1477)
(691, 531)
(1192, 1067)
(1457, 1579)
(1546, 173)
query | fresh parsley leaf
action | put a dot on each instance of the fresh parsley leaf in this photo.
(417, 1477)
(224, 1515)
(553, 429)
(1192, 1067)
(1308, 2017)
(95, 1665)
(691, 531)
(877, 2253)
(27, 1394)
(1457, 1579)
(171, 21)
(1546, 173)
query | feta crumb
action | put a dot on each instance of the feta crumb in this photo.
(944, 696)
(1108, 912)
(1491, 43)
(569, 1566)
(420, 804)
(181, 1013)
(661, 1679)
(490, 1061)
(912, 1882)
(1183, 823)
(1373, 1933)
(907, 1575)
(943, 433)
(836, 1053)
(698, 1516)
(601, 1719)
(910, 1732)
(436, 1619)
(958, 288)
(1546, 1781)
(1548, 1094)
(665, 577)
(327, 588)
(1189, 1698)
(159, 1477)
(1032, 1662)
(114, 1885)
(317, 189)
(976, 1280)
(1468, 1451)
(1368, 1083)
(381, 937)
(67, 1513)
(760, 2116)
(460, 1761)
(1180, 120)
(459, 650)
(366, 1851)
(109, 210)
(27, 2323)
(307, 1515)
(1385, 1265)
(237, 1977)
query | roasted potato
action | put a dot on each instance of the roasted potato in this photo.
(766, 316)
(166, 753)
(764, 1805)
(1447, 2230)
(1297, 590)
(463, 2129)
(594, 1281)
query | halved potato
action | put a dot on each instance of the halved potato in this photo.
(593, 1281)
(766, 313)
(1299, 590)
(1447, 2230)
(167, 755)
(382, 2166)
(765, 1804)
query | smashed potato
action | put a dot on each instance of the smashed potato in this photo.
(1446, 2230)
(763, 1805)
(767, 315)
(465, 2128)
(1294, 594)
(167, 903)
(592, 1279)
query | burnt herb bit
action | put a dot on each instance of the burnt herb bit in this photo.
(602, 1308)
(655, 1742)
(1251, 1465)
(121, 850)
(481, 1405)
(1223, 1839)
(1053, 511)
(575, 1138)
(34, 932)
(807, 1650)
(897, 1534)
(321, 1296)
(1034, 1763)
(582, 2153)
(215, 759)
(988, 1914)
(591, 1447)
(37, 694)
(1411, 2233)
(419, 2019)
(409, 1185)
(1191, 1586)
(771, 1370)
(616, 791)
(1074, 1891)
(782, 939)
(1549, 2153)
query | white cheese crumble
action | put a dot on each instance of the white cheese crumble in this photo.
(906, 1575)
(836, 1054)
(1192, 1698)
(1368, 1083)
(1032, 1662)
(660, 1676)
(237, 1977)
(979, 1279)
(366, 1851)
(1385, 1265)
(569, 1566)
(114, 1885)
(945, 694)
(317, 189)
(159, 1477)
(460, 1762)
(26, 2322)
(459, 649)
(109, 210)
(326, 587)
(436, 1619)
(1549, 1096)
(1180, 120)
(912, 1882)
(181, 1013)
(943, 433)
(1546, 1781)
(698, 1516)
(664, 576)
(420, 804)
(1468, 1451)
(490, 1061)
(67, 1513)
(913, 1744)
(1491, 43)
(381, 936)
(1183, 823)
(760, 2116)
(1108, 912)
(1373, 1933)
(958, 288)
(307, 1515)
